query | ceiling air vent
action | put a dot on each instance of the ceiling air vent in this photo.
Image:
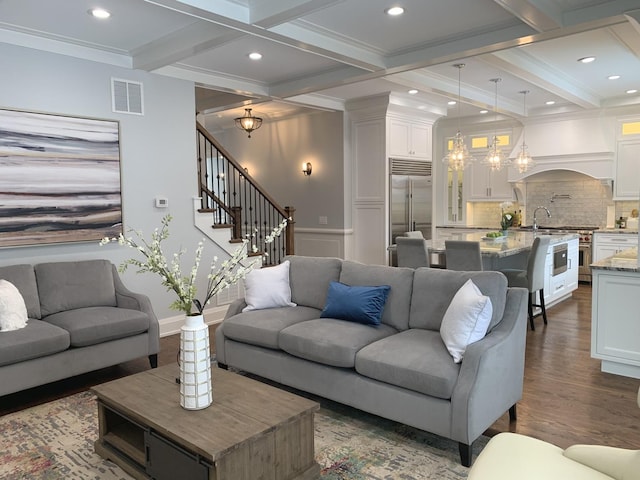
(126, 96)
(410, 167)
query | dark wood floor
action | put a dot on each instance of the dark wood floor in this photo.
(566, 398)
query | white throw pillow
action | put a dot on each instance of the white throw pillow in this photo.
(13, 311)
(466, 320)
(268, 288)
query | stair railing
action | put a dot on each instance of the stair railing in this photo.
(237, 201)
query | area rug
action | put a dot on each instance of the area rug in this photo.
(55, 441)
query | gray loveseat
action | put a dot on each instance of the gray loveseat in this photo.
(81, 318)
(401, 369)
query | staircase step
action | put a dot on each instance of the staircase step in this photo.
(222, 225)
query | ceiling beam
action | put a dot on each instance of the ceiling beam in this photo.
(541, 15)
(276, 12)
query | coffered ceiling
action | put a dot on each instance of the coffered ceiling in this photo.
(319, 54)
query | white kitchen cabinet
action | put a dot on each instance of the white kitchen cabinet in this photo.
(486, 184)
(615, 325)
(409, 139)
(608, 244)
(627, 181)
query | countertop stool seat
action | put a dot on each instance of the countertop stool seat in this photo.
(412, 252)
(462, 255)
(533, 277)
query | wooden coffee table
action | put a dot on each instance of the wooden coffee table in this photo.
(251, 430)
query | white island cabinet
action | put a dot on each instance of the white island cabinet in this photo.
(615, 315)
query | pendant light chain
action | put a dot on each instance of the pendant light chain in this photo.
(524, 161)
(458, 157)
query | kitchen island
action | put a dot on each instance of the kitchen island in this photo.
(615, 313)
(513, 252)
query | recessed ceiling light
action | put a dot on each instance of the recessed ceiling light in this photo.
(451, 102)
(394, 11)
(484, 111)
(633, 90)
(99, 13)
(255, 56)
(550, 102)
(413, 91)
(586, 59)
(613, 77)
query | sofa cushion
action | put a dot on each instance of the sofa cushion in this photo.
(24, 278)
(396, 310)
(310, 278)
(466, 320)
(268, 288)
(13, 312)
(414, 359)
(91, 325)
(261, 327)
(37, 339)
(330, 341)
(356, 304)
(433, 290)
(69, 285)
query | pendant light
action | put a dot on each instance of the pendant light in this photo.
(458, 157)
(248, 122)
(523, 160)
(495, 158)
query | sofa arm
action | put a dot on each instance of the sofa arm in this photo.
(492, 372)
(125, 298)
(618, 463)
(235, 308)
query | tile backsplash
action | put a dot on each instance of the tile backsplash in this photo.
(572, 198)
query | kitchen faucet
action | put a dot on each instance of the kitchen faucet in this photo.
(535, 220)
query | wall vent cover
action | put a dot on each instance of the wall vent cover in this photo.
(410, 167)
(126, 96)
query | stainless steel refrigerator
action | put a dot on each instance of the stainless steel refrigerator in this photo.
(410, 199)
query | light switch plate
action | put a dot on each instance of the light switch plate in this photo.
(162, 202)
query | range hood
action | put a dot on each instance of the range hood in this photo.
(585, 145)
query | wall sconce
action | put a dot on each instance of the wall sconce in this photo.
(306, 168)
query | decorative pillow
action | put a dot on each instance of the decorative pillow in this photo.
(356, 304)
(268, 288)
(466, 319)
(13, 311)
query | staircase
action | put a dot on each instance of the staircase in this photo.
(233, 206)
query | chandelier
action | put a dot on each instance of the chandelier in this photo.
(523, 161)
(495, 158)
(458, 157)
(248, 122)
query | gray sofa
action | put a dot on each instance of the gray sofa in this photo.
(81, 318)
(401, 369)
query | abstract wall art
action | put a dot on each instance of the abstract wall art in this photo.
(59, 179)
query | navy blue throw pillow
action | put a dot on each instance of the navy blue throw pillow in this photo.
(357, 304)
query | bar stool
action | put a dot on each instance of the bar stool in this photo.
(533, 277)
(462, 255)
(412, 252)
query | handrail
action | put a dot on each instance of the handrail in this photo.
(234, 197)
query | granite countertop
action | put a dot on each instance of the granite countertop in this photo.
(515, 242)
(625, 261)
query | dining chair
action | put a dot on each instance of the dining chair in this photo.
(412, 252)
(462, 255)
(533, 277)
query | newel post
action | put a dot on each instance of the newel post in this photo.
(237, 222)
(289, 232)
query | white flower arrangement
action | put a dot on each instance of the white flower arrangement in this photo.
(228, 273)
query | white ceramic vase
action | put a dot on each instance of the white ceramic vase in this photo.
(195, 364)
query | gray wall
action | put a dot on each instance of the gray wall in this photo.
(158, 155)
(274, 156)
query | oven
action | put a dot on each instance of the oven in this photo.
(560, 256)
